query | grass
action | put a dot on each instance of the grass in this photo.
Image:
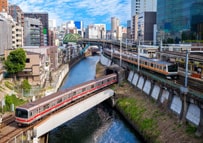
(190, 129)
(137, 114)
(9, 85)
(12, 100)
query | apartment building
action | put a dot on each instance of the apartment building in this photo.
(5, 34)
(34, 69)
(17, 35)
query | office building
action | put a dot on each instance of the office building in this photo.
(180, 20)
(146, 22)
(137, 7)
(96, 31)
(43, 17)
(17, 14)
(129, 29)
(33, 32)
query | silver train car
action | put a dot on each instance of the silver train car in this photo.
(168, 69)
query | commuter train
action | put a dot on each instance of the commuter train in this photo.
(33, 111)
(169, 70)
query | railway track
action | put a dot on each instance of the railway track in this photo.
(194, 85)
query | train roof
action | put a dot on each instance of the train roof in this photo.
(53, 96)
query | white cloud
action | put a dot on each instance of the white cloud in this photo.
(89, 11)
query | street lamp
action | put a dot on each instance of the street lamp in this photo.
(138, 56)
(185, 89)
(120, 52)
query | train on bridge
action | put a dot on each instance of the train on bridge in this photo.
(31, 112)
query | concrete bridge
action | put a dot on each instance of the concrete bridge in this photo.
(57, 119)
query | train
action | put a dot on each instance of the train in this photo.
(31, 112)
(167, 69)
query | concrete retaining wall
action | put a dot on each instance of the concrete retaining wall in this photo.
(105, 61)
(162, 95)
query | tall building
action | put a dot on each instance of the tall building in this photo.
(115, 22)
(52, 24)
(3, 5)
(79, 26)
(180, 20)
(33, 32)
(17, 35)
(137, 7)
(96, 31)
(43, 17)
(17, 14)
(146, 22)
(5, 34)
(129, 29)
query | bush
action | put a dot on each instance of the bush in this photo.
(9, 100)
(26, 86)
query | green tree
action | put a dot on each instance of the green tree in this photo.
(26, 86)
(15, 61)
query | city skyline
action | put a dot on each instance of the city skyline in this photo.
(88, 11)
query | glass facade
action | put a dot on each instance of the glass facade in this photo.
(180, 19)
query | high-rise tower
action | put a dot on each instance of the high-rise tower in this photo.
(137, 7)
(180, 20)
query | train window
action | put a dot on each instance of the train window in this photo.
(145, 63)
(74, 93)
(173, 68)
(151, 64)
(30, 114)
(164, 68)
(46, 106)
(59, 100)
(92, 86)
(21, 113)
(83, 89)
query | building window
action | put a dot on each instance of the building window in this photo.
(27, 60)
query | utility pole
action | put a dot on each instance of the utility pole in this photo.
(120, 52)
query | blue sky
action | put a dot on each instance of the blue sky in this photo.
(88, 11)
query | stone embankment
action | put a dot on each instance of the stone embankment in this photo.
(152, 121)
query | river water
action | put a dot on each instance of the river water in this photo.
(100, 124)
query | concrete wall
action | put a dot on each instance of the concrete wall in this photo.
(105, 61)
(174, 101)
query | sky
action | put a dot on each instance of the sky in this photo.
(88, 11)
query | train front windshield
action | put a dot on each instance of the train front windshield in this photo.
(21, 113)
(173, 68)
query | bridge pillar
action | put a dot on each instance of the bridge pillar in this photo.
(199, 131)
(184, 108)
(170, 98)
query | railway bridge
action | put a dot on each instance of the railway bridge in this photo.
(38, 132)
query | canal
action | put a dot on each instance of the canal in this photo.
(101, 124)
